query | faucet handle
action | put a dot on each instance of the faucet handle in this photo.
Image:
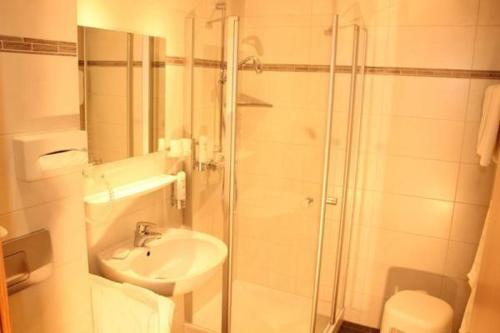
(143, 227)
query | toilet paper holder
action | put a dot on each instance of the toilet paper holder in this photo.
(27, 260)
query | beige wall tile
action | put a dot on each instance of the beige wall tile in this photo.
(423, 138)
(486, 48)
(468, 223)
(469, 154)
(424, 97)
(413, 215)
(427, 47)
(277, 8)
(432, 13)
(53, 98)
(410, 251)
(459, 259)
(425, 178)
(488, 10)
(52, 19)
(474, 184)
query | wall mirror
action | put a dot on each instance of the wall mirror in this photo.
(122, 92)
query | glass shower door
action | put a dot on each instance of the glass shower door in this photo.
(340, 190)
(280, 128)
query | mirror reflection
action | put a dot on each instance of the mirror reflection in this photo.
(122, 97)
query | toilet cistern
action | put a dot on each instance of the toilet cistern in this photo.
(143, 233)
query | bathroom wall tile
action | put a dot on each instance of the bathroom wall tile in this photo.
(281, 44)
(411, 251)
(50, 106)
(425, 178)
(423, 138)
(459, 259)
(107, 108)
(101, 44)
(53, 19)
(430, 13)
(487, 12)
(277, 8)
(413, 215)
(474, 184)
(486, 48)
(64, 220)
(207, 41)
(469, 154)
(104, 80)
(468, 221)
(321, 7)
(435, 98)
(427, 47)
(368, 12)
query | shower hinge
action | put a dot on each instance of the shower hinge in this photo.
(331, 201)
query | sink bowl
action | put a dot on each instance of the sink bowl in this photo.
(177, 263)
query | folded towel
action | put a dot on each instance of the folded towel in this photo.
(474, 276)
(127, 308)
(487, 143)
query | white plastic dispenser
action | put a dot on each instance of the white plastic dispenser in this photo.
(180, 190)
(48, 155)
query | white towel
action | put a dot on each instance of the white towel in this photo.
(487, 143)
(126, 308)
(474, 277)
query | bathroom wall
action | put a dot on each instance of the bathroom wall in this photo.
(39, 93)
(177, 22)
(422, 197)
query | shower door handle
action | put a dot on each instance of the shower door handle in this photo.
(331, 201)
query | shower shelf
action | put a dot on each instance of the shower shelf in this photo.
(133, 189)
(246, 100)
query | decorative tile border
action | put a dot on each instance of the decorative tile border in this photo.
(399, 71)
(375, 70)
(117, 63)
(15, 44)
(434, 72)
(175, 60)
(28, 45)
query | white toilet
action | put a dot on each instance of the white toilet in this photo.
(416, 312)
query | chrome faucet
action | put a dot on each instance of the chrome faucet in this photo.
(143, 234)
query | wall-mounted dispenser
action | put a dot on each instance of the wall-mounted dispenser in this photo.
(28, 260)
(48, 155)
(180, 190)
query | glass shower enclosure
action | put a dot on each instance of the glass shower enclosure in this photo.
(280, 181)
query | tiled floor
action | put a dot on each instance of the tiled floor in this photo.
(281, 312)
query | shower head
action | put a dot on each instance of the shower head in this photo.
(254, 63)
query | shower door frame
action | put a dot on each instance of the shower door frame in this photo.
(232, 25)
(232, 38)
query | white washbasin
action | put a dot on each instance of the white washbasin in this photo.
(179, 262)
